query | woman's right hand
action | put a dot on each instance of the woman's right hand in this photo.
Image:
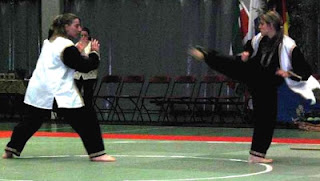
(80, 45)
(245, 56)
(95, 46)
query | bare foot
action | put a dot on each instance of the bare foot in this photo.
(256, 159)
(197, 54)
(103, 158)
(7, 155)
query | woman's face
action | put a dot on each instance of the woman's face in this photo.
(84, 36)
(73, 29)
(266, 29)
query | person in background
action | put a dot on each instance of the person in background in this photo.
(269, 59)
(52, 87)
(86, 81)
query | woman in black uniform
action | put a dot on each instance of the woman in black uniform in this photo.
(269, 59)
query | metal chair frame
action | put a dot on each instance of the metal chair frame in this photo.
(107, 92)
(155, 93)
(131, 90)
(181, 93)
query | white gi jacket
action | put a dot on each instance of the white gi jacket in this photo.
(52, 79)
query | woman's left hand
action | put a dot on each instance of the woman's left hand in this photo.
(95, 46)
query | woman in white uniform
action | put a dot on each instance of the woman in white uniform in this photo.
(86, 81)
(52, 86)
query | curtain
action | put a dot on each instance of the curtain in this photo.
(19, 35)
(151, 37)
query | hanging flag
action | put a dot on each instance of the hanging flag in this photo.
(240, 28)
(281, 7)
(240, 37)
(254, 12)
(244, 21)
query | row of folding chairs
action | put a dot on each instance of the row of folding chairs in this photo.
(165, 98)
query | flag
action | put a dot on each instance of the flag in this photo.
(241, 35)
(281, 7)
(254, 12)
(246, 25)
(240, 28)
(244, 21)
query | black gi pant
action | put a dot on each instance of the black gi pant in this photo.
(82, 120)
(264, 95)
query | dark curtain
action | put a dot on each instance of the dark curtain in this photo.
(19, 35)
(151, 37)
(148, 37)
(304, 20)
(143, 36)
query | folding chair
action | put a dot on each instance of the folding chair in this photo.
(154, 96)
(179, 100)
(231, 98)
(105, 98)
(129, 96)
(207, 97)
